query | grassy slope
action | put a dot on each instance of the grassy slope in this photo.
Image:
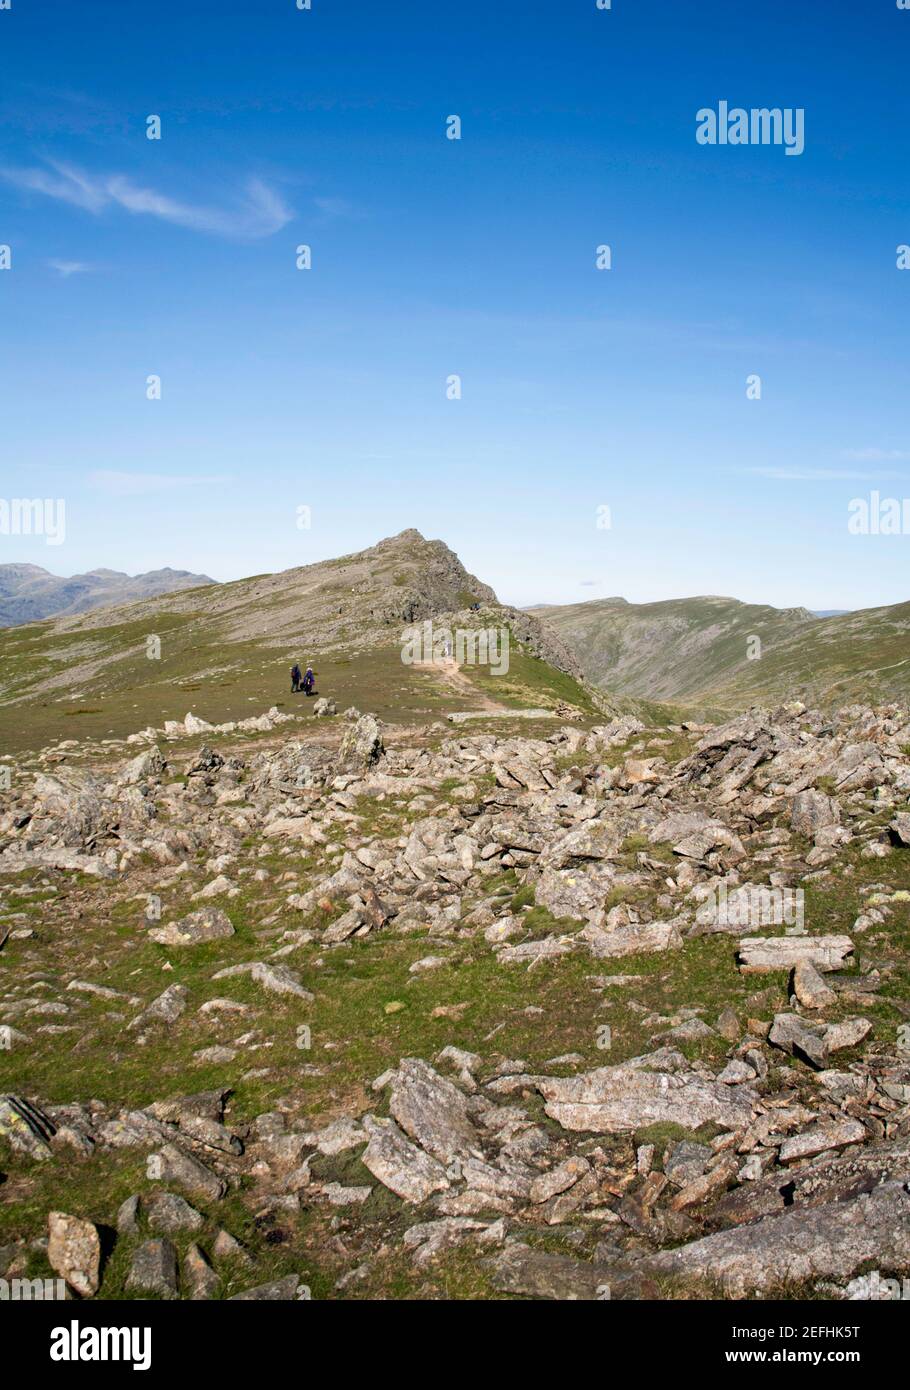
(695, 650)
(226, 650)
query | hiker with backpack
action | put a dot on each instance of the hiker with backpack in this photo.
(309, 681)
(295, 678)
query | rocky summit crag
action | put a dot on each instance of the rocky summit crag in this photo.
(555, 1003)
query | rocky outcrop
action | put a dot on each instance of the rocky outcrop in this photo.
(650, 1048)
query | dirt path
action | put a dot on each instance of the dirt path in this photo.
(450, 675)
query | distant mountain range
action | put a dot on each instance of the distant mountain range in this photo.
(703, 650)
(29, 593)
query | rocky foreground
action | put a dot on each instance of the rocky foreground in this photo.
(612, 1012)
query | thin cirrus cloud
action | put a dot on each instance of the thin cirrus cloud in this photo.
(120, 484)
(258, 212)
(821, 475)
(877, 455)
(68, 268)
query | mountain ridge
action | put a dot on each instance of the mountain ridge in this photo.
(229, 645)
(704, 650)
(30, 593)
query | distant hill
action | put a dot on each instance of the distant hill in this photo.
(29, 593)
(696, 650)
(226, 649)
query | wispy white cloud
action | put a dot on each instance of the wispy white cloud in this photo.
(67, 268)
(120, 484)
(820, 475)
(258, 211)
(877, 455)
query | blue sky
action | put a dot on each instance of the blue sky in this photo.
(581, 388)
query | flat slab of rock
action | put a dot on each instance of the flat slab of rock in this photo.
(761, 953)
(167, 1008)
(278, 979)
(647, 938)
(529, 952)
(831, 1177)
(279, 1290)
(433, 1111)
(431, 1238)
(398, 1164)
(16, 861)
(612, 1100)
(519, 1269)
(342, 1134)
(559, 1179)
(343, 927)
(678, 824)
(849, 1033)
(830, 1134)
(208, 924)
(578, 892)
(170, 1164)
(827, 1242)
(341, 1196)
(707, 1185)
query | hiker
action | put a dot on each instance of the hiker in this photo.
(295, 678)
(309, 681)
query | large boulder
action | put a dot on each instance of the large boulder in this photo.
(362, 746)
(74, 1252)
